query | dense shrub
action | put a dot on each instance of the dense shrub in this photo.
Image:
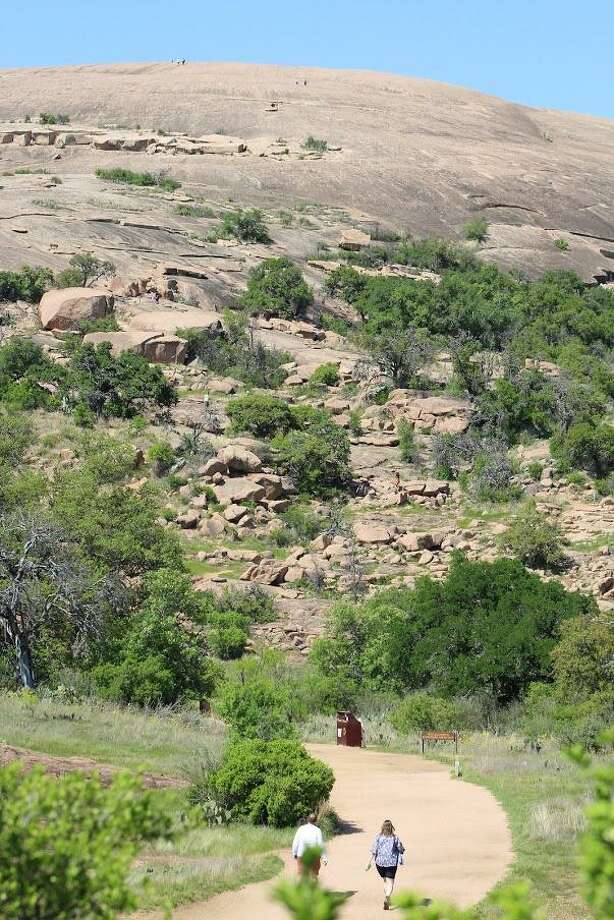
(585, 446)
(236, 352)
(270, 782)
(315, 144)
(345, 282)
(119, 529)
(121, 386)
(259, 708)
(298, 525)
(326, 375)
(406, 639)
(162, 456)
(534, 540)
(161, 660)
(492, 475)
(48, 118)
(69, 844)
(476, 229)
(260, 414)
(276, 286)
(400, 353)
(317, 456)
(129, 177)
(247, 226)
(29, 284)
(421, 712)
(583, 658)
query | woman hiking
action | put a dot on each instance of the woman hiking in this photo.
(387, 853)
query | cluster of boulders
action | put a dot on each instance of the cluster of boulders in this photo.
(244, 493)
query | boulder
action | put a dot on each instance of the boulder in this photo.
(414, 542)
(436, 487)
(65, 308)
(234, 513)
(168, 321)
(239, 460)
(226, 385)
(213, 526)
(189, 520)
(267, 572)
(155, 348)
(373, 533)
(235, 491)
(271, 483)
(213, 466)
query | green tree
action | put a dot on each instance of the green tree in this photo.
(85, 269)
(260, 414)
(586, 446)
(68, 844)
(257, 708)
(317, 456)
(276, 286)
(29, 284)
(584, 657)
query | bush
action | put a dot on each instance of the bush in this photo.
(69, 844)
(270, 782)
(316, 457)
(253, 604)
(299, 525)
(345, 282)
(194, 210)
(562, 245)
(85, 270)
(236, 353)
(276, 286)
(261, 415)
(492, 474)
(534, 540)
(228, 642)
(121, 386)
(29, 284)
(423, 712)
(259, 708)
(106, 458)
(162, 455)
(246, 226)
(589, 447)
(48, 118)
(162, 660)
(128, 177)
(326, 375)
(477, 229)
(315, 144)
(583, 657)
(407, 441)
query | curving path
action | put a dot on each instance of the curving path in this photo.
(456, 836)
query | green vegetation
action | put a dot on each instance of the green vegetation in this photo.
(315, 144)
(326, 375)
(562, 245)
(406, 639)
(315, 454)
(72, 855)
(407, 441)
(587, 445)
(259, 414)
(85, 270)
(477, 229)
(194, 210)
(277, 287)
(246, 226)
(146, 179)
(534, 540)
(236, 352)
(269, 782)
(29, 284)
(48, 118)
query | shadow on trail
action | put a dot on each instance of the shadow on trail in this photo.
(348, 827)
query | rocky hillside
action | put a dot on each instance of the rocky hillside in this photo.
(399, 155)
(423, 156)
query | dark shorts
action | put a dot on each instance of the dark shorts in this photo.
(387, 871)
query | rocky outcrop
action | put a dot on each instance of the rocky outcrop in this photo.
(155, 348)
(65, 308)
(238, 459)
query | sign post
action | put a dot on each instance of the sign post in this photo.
(439, 736)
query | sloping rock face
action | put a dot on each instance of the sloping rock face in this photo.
(65, 308)
(156, 348)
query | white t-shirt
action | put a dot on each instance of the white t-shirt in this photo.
(308, 835)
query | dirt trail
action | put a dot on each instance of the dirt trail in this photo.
(456, 834)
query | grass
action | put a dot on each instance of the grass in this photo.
(169, 884)
(146, 179)
(48, 203)
(192, 210)
(163, 741)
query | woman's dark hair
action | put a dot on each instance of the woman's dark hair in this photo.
(387, 828)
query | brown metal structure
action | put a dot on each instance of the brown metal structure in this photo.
(349, 729)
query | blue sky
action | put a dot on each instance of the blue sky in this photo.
(551, 53)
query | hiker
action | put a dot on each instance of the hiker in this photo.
(307, 836)
(387, 853)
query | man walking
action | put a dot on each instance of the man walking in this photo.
(307, 836)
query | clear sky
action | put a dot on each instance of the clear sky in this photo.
(551, 53)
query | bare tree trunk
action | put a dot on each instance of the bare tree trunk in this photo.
(24, 662)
